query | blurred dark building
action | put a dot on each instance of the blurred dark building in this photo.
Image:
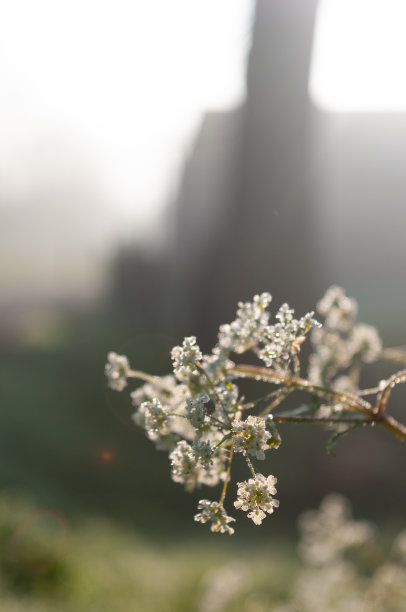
(244, 211)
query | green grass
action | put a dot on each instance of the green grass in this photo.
(49, 566)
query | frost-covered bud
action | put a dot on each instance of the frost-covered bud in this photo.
(185, 357)
(250, 436)
(284, 339)
(285, 314)
(217, 364)
(184, 464)
(255, 495)
(197, 413)
(214, 513)
(117, 370)
(203, 453)
(247, 329)
(188, 469)
(156, 419)
(228, 396)
(365, 343)
(339, 310)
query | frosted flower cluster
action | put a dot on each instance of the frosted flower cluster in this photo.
(198, 415)
(329, 531)
(194, 466)
(185, 358)
(250, 436)
(214, 513)
(116, 370)
(341, 346)
(255, 495)
(283, 340)
(248, 327)
(333, 580)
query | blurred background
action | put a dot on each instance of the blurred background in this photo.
(160, 161)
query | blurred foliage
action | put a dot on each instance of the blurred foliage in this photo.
(104, 567)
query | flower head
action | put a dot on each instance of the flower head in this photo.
(250, 436)
(117, 370)
(255, 495)
(214, 513)
(185, 358)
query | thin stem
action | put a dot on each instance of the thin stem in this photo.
(352, 402)
(143, 376)
(384, 395)
(227, 479)
(283, 395)
(396, 354)
(398, 429)
(221, 441)
(251, 467)
(322, 420)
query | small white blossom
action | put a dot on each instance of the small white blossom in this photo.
(339, 310)
(248, 327)
(188, 470)
(284, 339)
(156, 419)
(217, 363)
(250, 436)
(197, 413)
(185, 357)
(227, 392)
(255, 495)
(214, 513)
(117, 370)
(203, 452)
(365, 343)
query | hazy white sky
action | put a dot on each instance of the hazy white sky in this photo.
(122, 82)
(359, 55)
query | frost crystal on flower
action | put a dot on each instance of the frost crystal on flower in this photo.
(184, 464)
(248, 326)
(185, 357)
(365, 343)
(284, 339)
(203, 452)
(250, 436)
(190, 471)
(255, 495)
(197, 412)
(156, 419)
(117, 370)
(214, 513)
(228, 396)
(340, 310)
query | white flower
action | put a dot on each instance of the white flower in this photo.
(365, 343)
(250, 436)
(197, 413)
(340, 311)
(203, 452)
(117, 370)
(329, 531)
(185, 357)
(156, 419)
(284, 339)
(215, 513)
(188, 469)
(255, 495)
(248, 327)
